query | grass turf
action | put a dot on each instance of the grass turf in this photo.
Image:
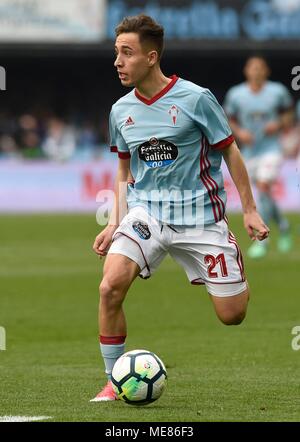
(48, 306)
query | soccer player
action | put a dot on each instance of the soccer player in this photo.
(170, 136)
(255, 109)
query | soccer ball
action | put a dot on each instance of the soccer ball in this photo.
(139, 377)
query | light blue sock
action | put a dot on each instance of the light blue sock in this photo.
(110, 354)
(280, 219)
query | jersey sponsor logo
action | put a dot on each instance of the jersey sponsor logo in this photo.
(158, 153)
(129, 121)
(173, 111)
(141, 229)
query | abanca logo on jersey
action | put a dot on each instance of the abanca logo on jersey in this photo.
(158, 153)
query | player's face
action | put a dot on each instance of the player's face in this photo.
(132, 61)
(256, 69)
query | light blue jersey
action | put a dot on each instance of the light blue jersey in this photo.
(253, 110)
(174, 142)
(298, 111)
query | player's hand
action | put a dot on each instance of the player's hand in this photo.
(272, 127)
(245, 136)
(103, 240)
(255, 226)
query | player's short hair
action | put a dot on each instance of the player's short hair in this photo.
(258, 56)
(149, 30)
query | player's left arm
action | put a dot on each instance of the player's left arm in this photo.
(272, 127)
(212, 120)
(285, 110)
(253, 223)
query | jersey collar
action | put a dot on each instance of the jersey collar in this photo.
(160, 94)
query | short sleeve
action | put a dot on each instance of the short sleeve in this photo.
(211, 119)
(230, 105)
(286, 100)
(117, 142)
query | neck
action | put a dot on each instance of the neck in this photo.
(152, 84)
(256, 85)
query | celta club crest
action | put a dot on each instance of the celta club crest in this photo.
(173, 111)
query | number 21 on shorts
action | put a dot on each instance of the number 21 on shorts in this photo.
(216, 264)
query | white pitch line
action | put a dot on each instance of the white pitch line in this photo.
(23, 418)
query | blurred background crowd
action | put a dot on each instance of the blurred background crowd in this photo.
(70, 72)
(44, 134)
(61, 82)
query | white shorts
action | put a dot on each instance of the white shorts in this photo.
(265, 168)
(209, 256)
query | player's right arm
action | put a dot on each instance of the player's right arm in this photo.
(103, 240)
(117, 144)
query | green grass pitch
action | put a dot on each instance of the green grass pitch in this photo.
(52, 367)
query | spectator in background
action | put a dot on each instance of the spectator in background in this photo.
(42, 134)
(8, 128)
(60, 140)
(28, 137)
(8, 147)
(87, 142)
(104, 132)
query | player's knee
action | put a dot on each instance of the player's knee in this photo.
(232, 317)
(111, 294)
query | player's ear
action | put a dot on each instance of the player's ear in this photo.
(152, 58)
